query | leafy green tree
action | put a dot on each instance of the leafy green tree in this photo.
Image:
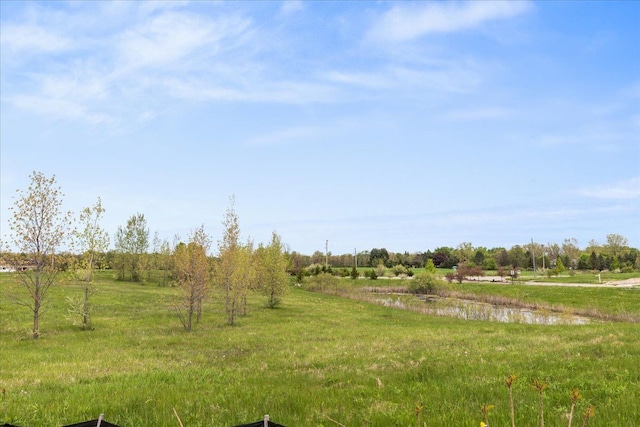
(445, 257)
(92, 241)
(518, 256)
(479, 256)
(489, 263)
(272, 273)
(503, 258)
(594, 261)
(571, 250)
(464, 252)
(377, 256)
(615, 263)
(38, 228)
(583, 262)
(616, 244)
(132, 243)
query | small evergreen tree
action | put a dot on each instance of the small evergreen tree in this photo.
(430, 267)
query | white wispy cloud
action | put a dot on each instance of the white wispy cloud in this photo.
(124, 71)
(31, 39)
(178, 38)
(444, 77)
(628, 189)
(284, 136)
(131, 70)
(290, 7)
(59, 108)
(409, 21)
(481, 113)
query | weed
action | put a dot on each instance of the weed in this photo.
(509, 383)
(539, 386)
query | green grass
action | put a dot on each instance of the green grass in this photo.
(584, 277)
(316, 358)
(605, 300)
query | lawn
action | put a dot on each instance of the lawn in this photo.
(318, 360)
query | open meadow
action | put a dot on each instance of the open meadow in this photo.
(317, 360)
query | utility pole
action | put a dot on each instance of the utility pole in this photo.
(355, 257)
(533, 257)
(326, 255)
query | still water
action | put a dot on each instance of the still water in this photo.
(474, 310)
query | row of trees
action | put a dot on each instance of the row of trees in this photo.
(613, 255)
(39, 228)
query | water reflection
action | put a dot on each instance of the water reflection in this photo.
(474, 310)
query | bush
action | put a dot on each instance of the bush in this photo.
(322, 282)
(426, 284)
(463, 272)
(343, 272)
(430, 267)
(399, 269)
(627, 269)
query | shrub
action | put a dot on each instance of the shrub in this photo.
(380, 270)
(322, 282)
(430, 267)
(343, 272)
(426, 284)
(314, 269)
(399, 269)
(463, 271)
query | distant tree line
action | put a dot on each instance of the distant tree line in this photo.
(613, 255)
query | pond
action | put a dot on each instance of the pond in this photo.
(474, 310)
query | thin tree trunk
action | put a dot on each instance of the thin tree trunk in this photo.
(85, 306)
(36, 317)
(573, 406)
(513, 414)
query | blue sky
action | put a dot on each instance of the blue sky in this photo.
(405, 125)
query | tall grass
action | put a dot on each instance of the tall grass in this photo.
(315, 359)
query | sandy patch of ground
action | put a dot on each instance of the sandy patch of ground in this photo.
(628, 283)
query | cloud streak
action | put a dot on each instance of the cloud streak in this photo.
(406, 22)
(623, 190)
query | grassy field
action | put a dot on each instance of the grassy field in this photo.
(318, 360)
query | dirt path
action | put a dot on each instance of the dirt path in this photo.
(628, 283)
